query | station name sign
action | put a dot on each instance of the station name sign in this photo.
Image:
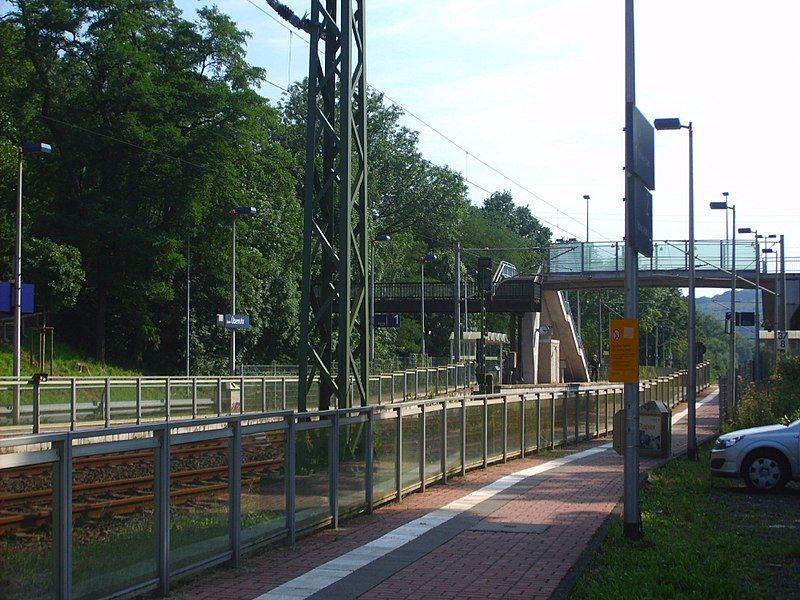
(233, 321)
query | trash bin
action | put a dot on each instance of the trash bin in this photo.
(231, 398)
(655, 430)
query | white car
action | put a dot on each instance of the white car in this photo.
(765, 457)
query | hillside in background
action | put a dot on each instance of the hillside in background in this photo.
(717, 306)
(66, 361)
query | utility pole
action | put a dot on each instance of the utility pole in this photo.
(784, 315)
(188, 297)
(457, 307)
(631, 512)
(757, 355)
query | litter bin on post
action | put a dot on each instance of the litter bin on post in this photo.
(655, 430)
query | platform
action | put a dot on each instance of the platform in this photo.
(513, 530)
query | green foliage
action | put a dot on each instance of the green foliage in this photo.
(158, 131)
(776, 400)
(703, 539)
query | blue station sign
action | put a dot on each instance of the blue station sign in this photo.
(387, 320)
(233, 321)
(7, 297)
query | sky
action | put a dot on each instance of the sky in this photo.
(535, 89)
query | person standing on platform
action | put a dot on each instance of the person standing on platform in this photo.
(594, 367)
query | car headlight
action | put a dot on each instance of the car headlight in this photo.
(727, 442)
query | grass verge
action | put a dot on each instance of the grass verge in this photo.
(704, 538)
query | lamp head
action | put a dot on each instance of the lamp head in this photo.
(744, 230)
(665, 124)
(36, 148)
(245, 210)
(718, 205)
(586, 196)
(383, 237)
(430, 257)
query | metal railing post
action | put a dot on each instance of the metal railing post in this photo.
(194, 397)
(334, 475)
(369, 445)
(107, 405)
(553, 420)
(241, 395)
(37, 408)
(588, 415)
(565, 420)
(522, 425)
(290, 462)
(398, 466)
(161, 498)
(443, 431)
(263, 394)
(62, 518)
(167, 400)
(73, 404)
(422, 449)
(283, 393)
(235, 493)
(219, 396)
(505, 429)
(405, 385)
(463, 436)
(538, 421)
(597, 413)
(485, 431)
(138, 400)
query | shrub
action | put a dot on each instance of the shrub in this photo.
(776, 400)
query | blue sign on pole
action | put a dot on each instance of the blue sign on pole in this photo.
(236, 322)
(7, 297)
(384, 320)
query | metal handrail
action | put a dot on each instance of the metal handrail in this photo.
(526, 421)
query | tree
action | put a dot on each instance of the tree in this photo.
(159, 131)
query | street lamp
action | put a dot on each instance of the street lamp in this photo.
(430, 257)
(379, 237)
(27, 149)
(236, 212)
(757, 325)
(732, 333)
(775, 326)
(583, 267)
(691, 451)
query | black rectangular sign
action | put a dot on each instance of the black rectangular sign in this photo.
(644, 150)
(642, 227)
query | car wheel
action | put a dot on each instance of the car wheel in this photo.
(765, 471)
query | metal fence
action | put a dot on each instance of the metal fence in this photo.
(91, 401)
(277, 474)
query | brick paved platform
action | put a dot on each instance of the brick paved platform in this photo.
(511, 531)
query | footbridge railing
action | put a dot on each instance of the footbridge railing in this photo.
(669, 255)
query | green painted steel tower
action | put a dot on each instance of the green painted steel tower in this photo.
(334, 315)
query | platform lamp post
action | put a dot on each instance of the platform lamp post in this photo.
(757, 325)
(430, 257)
(724, 205)
(27, 149)
(585, 247)
(236, 212)
(379, 237)
(775, 325)
(691, 451)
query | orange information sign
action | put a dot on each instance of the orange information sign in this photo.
(624, 343)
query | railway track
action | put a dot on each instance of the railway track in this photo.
(115, 496)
